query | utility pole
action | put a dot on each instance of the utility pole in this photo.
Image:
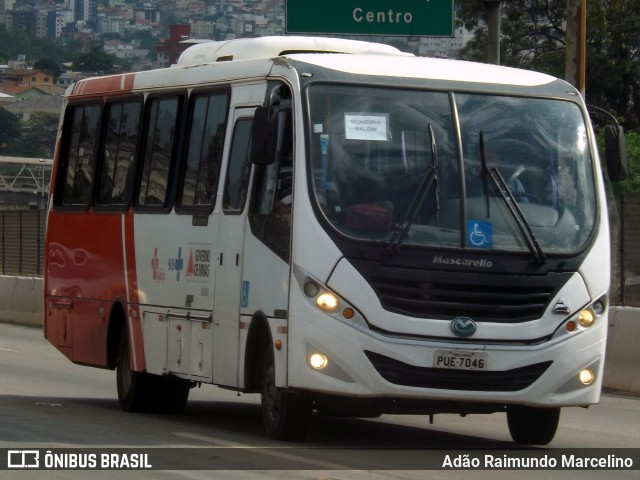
(576, 39)
(493, 30)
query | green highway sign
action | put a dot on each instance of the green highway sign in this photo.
(433, 18)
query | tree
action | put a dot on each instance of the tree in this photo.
(532, 33)
(632, 183)
(533, 37)
(147, 40)
(36, 137)
(9, 129)
(613, 63)
(97, 60)
(15, 42)
(49, 66)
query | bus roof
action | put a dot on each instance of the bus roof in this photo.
(255, 57)
(428, 68)
(395, 64)
(270, 47)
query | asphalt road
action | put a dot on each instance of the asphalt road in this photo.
(49, 404)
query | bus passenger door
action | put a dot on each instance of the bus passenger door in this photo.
(228, 280)
(266, 267)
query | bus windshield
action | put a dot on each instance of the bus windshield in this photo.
(459, 170)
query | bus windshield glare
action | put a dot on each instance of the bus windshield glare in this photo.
(458, 170)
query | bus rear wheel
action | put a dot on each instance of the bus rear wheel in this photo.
(285, 415)
(143, 392)
(532, 426)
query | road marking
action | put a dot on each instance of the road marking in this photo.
(276, 452)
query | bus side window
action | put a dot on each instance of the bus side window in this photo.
(159, 149)
(79, 152)
(119, 152)
(239, 168)
(208, 116)
(271, 206)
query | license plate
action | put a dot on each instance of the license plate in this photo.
(460, 360)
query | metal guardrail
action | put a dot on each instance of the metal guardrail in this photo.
(625, 233)
(27, 175)
(22, 242)
(24, 191)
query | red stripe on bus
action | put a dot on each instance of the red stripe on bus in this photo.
(101, 85)
(132, 293)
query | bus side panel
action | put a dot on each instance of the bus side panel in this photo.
(84, 276)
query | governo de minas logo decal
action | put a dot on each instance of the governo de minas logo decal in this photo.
(463, 327)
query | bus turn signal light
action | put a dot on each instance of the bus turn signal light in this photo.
(348, 313)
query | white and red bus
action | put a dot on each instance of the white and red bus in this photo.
(336, 225)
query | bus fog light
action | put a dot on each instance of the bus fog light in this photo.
(586, 317)
(327, 302)
(587, 376)
(318, 361)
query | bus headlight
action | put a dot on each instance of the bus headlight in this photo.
(311, 289)
(324, 299)
(328, 302)
(586, 318)
(599, 307)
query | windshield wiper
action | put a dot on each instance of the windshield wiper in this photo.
(493, 175)
(429, 179)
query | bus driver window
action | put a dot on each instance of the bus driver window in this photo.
(271, 206)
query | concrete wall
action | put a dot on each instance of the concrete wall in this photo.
(21, 301)
(622, 365)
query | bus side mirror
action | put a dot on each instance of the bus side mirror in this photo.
(615, 149)
(264, 136)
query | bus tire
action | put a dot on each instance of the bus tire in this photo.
(532, 426)
(133, 387)
(143, 392)
(285, 415)
(171, 394)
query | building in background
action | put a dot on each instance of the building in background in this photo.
(169, 50)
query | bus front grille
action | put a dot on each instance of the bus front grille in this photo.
(400, 373)
(499, 298)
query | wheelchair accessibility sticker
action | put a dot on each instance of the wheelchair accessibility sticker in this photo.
(479, 234)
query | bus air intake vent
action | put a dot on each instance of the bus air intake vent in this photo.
(399, 373)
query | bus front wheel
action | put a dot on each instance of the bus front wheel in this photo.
(285, 415)
(532, 426)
